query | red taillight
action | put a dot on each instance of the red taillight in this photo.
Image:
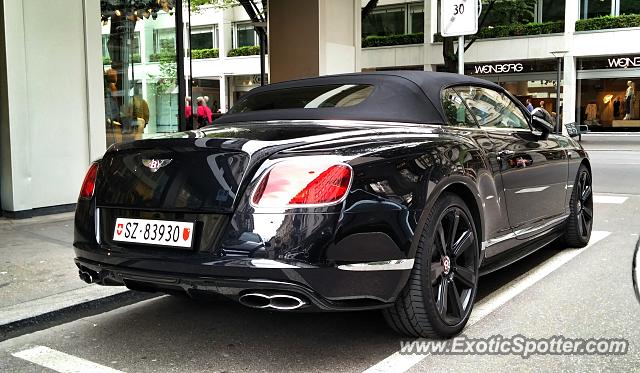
(295, 183)
(89, 183)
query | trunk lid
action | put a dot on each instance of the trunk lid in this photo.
(174, 175)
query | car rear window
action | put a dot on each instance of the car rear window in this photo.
(312, 97)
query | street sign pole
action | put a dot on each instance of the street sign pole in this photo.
(461, 54)
(459, 18)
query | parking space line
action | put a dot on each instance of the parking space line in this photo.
(61, 362)
(401, 363)
(617, 200)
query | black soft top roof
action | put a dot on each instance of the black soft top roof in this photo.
(399, 96)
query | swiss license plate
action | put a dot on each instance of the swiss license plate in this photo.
(154, 232)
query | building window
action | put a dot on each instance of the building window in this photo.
(596, 8)
(629, 7)
(245, 35)
(416, 18)
(164, 39)
(550, 10)
(204, 38)
(385, 21)
(609, 102)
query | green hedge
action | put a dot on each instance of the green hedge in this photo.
(244, 51)
(198, 54)
(382, 41)
(517, 29)
(608, 22)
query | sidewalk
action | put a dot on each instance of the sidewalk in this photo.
(38, 277)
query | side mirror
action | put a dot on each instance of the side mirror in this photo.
(542, 120)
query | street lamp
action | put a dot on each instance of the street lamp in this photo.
(559, 55)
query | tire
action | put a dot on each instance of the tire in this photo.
(428, 311)
(580, 221)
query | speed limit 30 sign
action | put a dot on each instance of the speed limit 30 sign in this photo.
(459, 17)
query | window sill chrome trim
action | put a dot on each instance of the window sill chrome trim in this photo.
(386, 265)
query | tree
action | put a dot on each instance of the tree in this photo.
(494, 12)
(220, 4)
(368, 8)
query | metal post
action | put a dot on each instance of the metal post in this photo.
(558, 87)
(461, 55)
(262, 36)
(182, 84)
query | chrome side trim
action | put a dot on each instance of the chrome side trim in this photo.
(385, 265)
(97, 225)
(268, 263)
(542, 227)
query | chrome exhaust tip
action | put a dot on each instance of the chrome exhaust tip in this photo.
(87, 277)
(255, 300)
(286, 302)
(282, 302)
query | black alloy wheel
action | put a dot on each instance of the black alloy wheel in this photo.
(580, 221)
(453, 266)
(439, 295)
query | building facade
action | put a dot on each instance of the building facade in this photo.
(601, 61)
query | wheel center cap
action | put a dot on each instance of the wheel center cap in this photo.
(579, 205)
(446, 263)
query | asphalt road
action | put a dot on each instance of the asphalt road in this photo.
(584, 293)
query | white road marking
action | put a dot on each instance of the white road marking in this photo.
(398, 363)
(617, 200)
(61, 362)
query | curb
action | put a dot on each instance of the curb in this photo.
(84, 308)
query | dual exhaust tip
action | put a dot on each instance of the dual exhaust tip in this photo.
(282, 302)
(88, 276)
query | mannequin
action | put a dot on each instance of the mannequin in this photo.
(628, 100)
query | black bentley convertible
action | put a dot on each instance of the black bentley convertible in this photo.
(391, 190)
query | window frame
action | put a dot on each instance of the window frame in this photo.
(236, 28)
(157, 47)
(211, 29)
(502, 92)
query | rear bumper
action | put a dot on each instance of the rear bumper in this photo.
(347, 287)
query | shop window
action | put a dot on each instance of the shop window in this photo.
(139, 101)
(595, 8)
(245, 35)
(204, 38)
(134, 45)
(629, 7)
(416, 18)
(385, 21)
(493, 109)
(455, 110)
(612, 102)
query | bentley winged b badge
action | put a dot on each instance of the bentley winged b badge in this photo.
(155, 164)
